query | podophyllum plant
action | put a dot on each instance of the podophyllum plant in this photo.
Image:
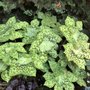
(25, 47)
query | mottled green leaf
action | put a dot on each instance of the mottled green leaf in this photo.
(49, 80)
(79, 25)
(58, 87)
(3, 66)
(46, 46)
(69, 86)
(34, 23)
(69, 21)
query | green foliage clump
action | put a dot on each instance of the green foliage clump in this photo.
(77, 48)
(27, 47)
(41, 39)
